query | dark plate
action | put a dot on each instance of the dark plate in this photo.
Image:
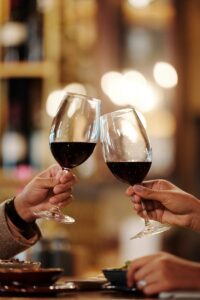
(53, 290)
(117, 277)
(29, 277)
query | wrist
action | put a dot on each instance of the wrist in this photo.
(23, 211)
(26, 229)
(14, 217)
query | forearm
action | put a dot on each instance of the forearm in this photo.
(11, 240)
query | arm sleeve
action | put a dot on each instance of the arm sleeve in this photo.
(12, 241)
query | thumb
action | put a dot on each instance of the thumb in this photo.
(150, 194)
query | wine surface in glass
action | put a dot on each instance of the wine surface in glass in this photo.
(71, 154)
(131, 172)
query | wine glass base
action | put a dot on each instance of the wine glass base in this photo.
(55, 216)
(151, 230)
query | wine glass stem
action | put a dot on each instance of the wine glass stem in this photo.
(146, 222)
(65, 169)
(146, 219)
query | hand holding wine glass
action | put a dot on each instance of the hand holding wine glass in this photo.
(73, 137)
(51, 186)
(127, 153)
(167, 202)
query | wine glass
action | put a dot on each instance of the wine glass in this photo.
(128, 154)
(73, 137)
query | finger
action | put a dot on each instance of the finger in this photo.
(136, 265)
(136, 199)
(129, 191)
(158, 184)
(155, 288)
(140, 211)
(54, 169)
(150, 194)
(148, 205)
(147, 271)
(152, 184)
(138, 208)
(45, 183)
(148, 280)
(68, 183)
(58, 175)
(56, 199)
(67, 176)
(65, 202)
(59, 188)
(151, 214)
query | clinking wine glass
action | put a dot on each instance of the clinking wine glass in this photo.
(73, 136)
(128, 154)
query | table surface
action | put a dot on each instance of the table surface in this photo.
(91, 295)
(80, 289)
(83, 295)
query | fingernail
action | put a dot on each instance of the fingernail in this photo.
(138, 188)
(130, 189)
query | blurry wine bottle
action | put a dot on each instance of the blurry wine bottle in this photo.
(36, 151)
(14, 140)
(15, 32)
(34, 27)
(22, 34)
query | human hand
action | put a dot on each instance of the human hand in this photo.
(166, 203)
(50, 187)
(163, 272)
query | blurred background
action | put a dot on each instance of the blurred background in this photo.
(141, 53)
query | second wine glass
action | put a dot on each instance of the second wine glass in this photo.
(73, 137)
(128, 154)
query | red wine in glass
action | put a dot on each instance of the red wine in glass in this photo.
(71, 154)
(131, 172)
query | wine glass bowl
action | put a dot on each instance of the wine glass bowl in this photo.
(126, 147)
(127, 152)
(73, 136)
(75, 130)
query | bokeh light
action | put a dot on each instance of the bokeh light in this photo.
(165, 75)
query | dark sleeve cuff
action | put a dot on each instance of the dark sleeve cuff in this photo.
(27, 229)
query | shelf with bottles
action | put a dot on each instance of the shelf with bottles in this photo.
(29, 70)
